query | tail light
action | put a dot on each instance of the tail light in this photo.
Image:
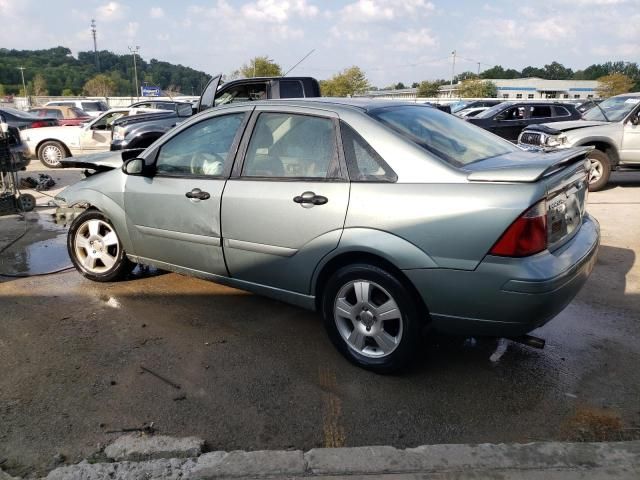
(44, 123)
(526, 236)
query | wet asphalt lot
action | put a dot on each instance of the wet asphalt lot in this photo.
(257, 374)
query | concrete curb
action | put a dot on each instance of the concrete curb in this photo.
(617, 460)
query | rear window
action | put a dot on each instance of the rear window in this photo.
(291, 89)
(78, 113)
(453, 140)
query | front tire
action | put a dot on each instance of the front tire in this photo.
(95, 248)
(50, 153)
(371, 318)
(600, 170)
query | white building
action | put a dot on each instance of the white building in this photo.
(534, 88)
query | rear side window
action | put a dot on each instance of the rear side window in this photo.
(363, 162)
(561, 112)
(540, 111)
(291, 89)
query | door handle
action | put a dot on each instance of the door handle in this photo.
(198, 194)
(310, 197)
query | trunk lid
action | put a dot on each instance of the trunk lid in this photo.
(564, 175)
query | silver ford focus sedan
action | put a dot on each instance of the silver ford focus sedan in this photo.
(385, 217)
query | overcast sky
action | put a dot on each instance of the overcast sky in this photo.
(391, 40)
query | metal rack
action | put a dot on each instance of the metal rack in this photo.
(11, 199)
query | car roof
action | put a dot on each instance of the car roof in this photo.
(335, 103)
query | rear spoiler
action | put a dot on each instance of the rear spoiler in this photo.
(531, 170)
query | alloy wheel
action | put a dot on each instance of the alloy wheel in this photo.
(52, 154)
(96, 246)
(368, 318)
(596, 171)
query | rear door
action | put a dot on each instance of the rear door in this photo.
(284, 207)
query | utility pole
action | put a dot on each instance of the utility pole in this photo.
(95, 44)
(134, 51)
(24, 87)
(478, 68)
(453, 67)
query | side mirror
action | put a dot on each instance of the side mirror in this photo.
(134, 166)
(635, 119)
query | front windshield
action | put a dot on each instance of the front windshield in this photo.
(446, 136)
(491, 111)
(615, 109)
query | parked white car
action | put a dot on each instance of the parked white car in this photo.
(51, 144)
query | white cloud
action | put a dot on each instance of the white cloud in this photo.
(156, 12)
(381, 10)
(109, 12)
(412, 40)
(509, 32)
(132, 29)
(278, 11)
(552, 29)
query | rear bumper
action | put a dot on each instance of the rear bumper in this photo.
(509, 296)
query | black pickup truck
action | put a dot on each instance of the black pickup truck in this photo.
(140, 131)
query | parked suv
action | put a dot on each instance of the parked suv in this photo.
(611, 127)
(507, 119)
(93, 107)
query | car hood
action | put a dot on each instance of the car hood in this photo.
(523, 166)
(559, 127)
(100, 162)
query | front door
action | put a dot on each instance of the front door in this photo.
(175, 214)
(285, 209)
(97, 137)
(630, 151)
(509, 123)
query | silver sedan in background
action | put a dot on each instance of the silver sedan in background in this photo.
(384, 217)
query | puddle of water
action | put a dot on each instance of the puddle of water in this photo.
(42, 249)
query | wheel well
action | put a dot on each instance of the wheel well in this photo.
(66, 149)
(606, 148)
(363, 257)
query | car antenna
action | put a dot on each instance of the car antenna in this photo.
(301, 60)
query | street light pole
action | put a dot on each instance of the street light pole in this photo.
(134, 51)
(24, 87)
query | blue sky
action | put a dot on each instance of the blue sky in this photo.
(391, 40)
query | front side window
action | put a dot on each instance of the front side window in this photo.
(105, 122)
(201, 149)
(295, 146)
(452, 139)
(242, 93)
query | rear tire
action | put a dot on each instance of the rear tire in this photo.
(95, 248)
(371, 318)
(600, 170)
(50, 153)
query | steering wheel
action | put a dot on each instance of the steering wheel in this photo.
(205, 163)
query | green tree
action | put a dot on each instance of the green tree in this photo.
(557, 71)
(39, 85)
(99, 86)
(465, 76)
(400, 86)
(67, 92)
(350, 81)
(260, 67)
(614, 84)
(499, 72)
(2, 91)
(474, 88)
(428, 89)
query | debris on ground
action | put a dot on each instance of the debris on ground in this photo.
(164, 379)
